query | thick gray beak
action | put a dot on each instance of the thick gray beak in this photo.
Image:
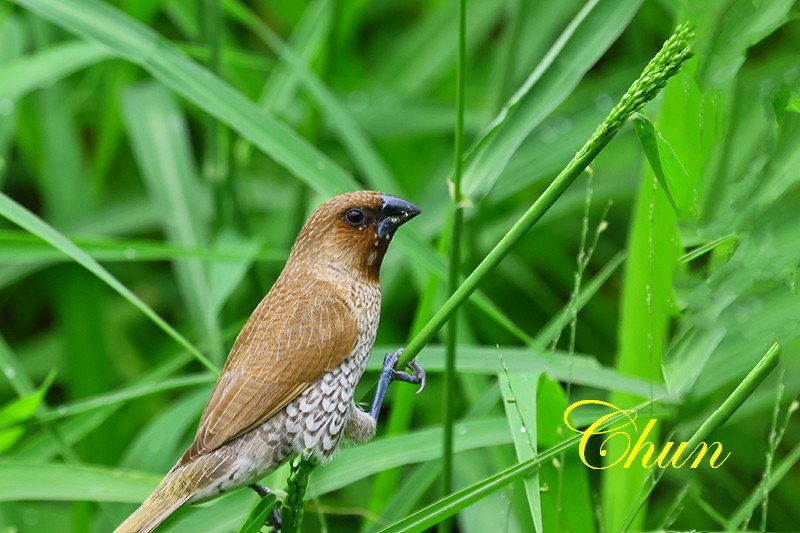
(394, 213)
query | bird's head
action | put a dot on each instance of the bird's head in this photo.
(351, 232)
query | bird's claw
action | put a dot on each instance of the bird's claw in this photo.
(389, 374)
(416, 377)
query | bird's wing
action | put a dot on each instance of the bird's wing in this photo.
(288, 343)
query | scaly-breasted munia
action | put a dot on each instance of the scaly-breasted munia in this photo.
(288, 383)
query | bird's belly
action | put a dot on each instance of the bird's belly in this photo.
(312, 424)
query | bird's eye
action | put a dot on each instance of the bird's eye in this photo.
(354, 217)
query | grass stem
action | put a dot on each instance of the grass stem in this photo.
(654, 77)
(454, 274)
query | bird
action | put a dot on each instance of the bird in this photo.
(287, 386)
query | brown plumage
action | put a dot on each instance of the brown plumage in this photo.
(287, 386)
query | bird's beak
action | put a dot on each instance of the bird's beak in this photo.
(393, 214)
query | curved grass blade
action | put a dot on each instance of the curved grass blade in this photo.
(28, 73)
(720, 415)
(125, 395)
(418, 446)
(453, 503)
(135, 42)
(649, 139)
(596, 26)
(160, 141)
(20, 216)
(60, 482)
(255, 521)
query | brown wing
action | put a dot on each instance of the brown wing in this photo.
(288, 343)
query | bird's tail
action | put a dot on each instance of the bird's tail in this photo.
(173, 491)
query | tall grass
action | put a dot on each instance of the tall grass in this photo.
(157, 158)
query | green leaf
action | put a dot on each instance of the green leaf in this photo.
(161, 144)
(580, 369)
(655, 147)
(20, 216)
(453, 503)
(127, 394)
(582, 43)
(567, 503)
(520, 402)
(727, 28)
(352, 464)
(20, 410)
(28, 73)
(59, 482)
(131, 40)
(258, 516)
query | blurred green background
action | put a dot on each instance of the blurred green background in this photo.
(181, 144)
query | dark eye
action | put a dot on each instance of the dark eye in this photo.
(354, 217)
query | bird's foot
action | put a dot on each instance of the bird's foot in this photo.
(389, 374)
(274, 518)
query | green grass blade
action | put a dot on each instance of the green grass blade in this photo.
(577, 368)
(135, 42)
(125, 395)
(720, 415)
(567, 503)
(361, 150)
(18, 247)
(20, 216)
(255, 521)
(58, 482)
(463, 498)
(650, 144)
(707, 247)
(454, 266)
(418, 446)
(520, 402)
(160, 141)
(28, 73)
(583, 42)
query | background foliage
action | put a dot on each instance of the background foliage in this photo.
(157, 158)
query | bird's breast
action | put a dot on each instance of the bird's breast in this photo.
(315, 421)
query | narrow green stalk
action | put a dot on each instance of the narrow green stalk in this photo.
(654, 77)
(455, 264)
(721, 415)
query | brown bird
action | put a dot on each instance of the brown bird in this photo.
(288, 383)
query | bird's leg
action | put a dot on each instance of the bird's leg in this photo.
(274, 518)
(389, 374)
